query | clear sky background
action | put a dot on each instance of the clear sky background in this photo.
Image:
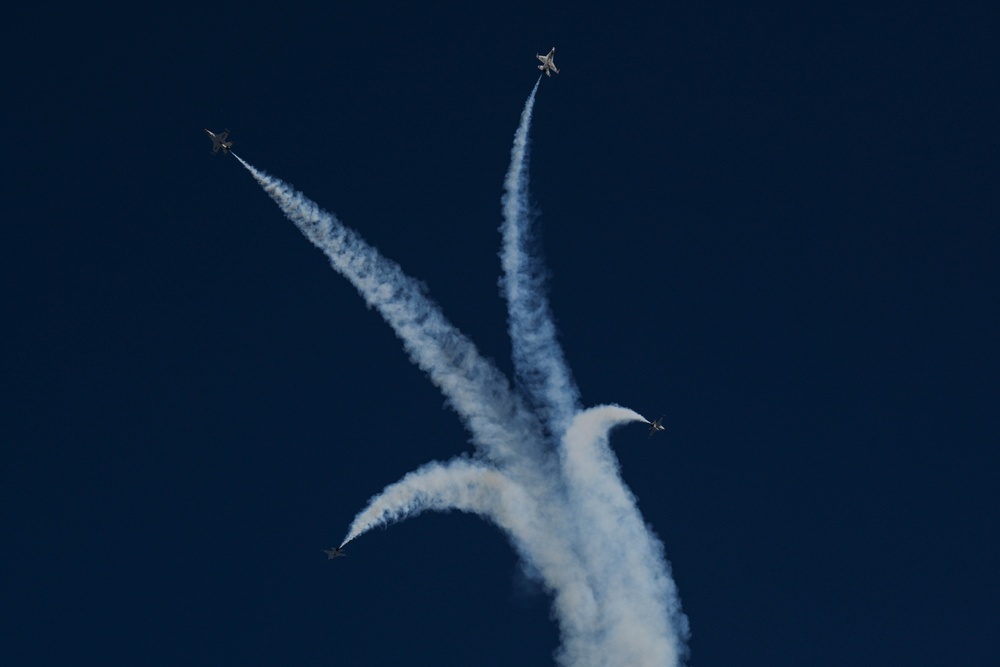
(776, 225)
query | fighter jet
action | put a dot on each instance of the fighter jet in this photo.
(548, 62)
(219, 141)
(334, 553)
(656, 425)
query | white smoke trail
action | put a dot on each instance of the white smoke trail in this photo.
(570, 517)
(536, 531)
(641, 614)
(613, 596)
(473, 386)
(538, 358)
(460, 484)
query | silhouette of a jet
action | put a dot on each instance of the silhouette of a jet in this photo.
(219, 141)
(548, 62)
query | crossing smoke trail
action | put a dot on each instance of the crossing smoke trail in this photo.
(547, 477)
(469, 486)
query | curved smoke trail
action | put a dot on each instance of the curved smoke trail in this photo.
(459, 484)
(641, 616)
(567, 512)
(469, 486)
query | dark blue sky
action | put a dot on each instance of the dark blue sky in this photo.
(775, 225)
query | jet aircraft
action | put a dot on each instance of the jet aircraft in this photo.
(548, 62)
(219, 141)
(335, 552)
(656, 425)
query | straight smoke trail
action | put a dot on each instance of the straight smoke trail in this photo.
(538, 359)
(474, 387)
(550, 480)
